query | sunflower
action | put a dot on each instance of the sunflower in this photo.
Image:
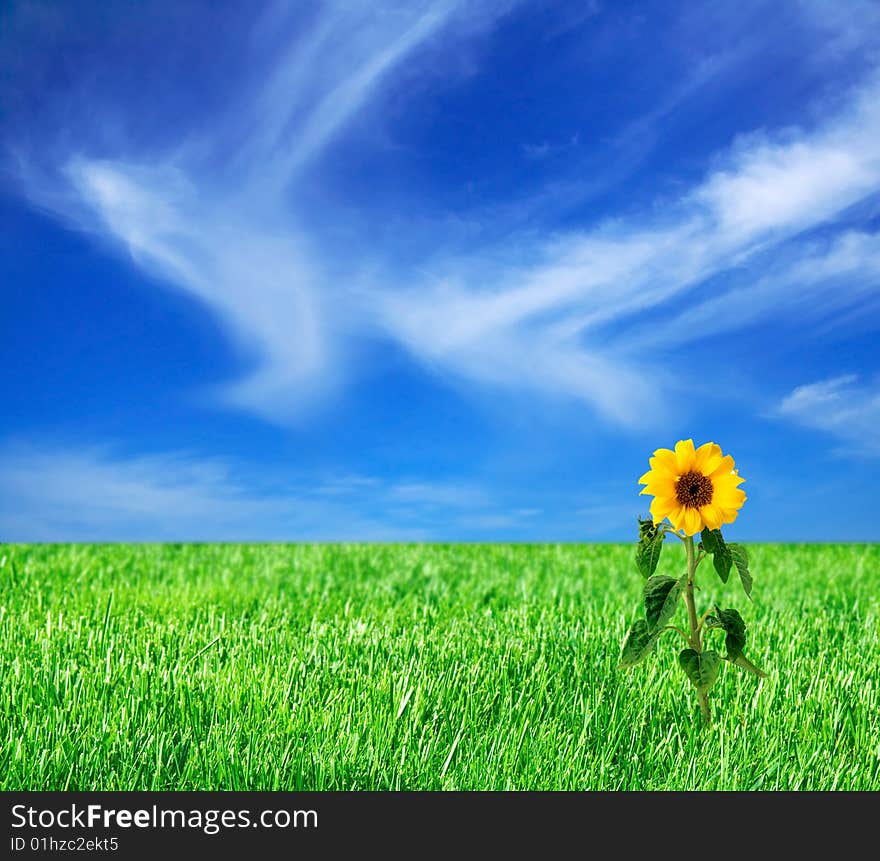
(694, 488)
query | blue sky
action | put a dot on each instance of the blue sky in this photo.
(434, 270)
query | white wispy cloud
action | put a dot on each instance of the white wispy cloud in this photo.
(461, 496)
(52, 492)
(845, 407)
(800, 179)
(262, 283)
(349, 94)
(559, 314)
(809, 281)
(544, 325)
(95, 494)
(226, 233)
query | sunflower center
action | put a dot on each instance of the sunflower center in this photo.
(693, 489)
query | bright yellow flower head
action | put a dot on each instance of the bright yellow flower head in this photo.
(693, 488)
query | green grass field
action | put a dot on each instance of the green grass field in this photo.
(416, 667)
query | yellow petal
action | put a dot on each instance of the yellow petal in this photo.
(708, 457)
(729, 514)
(654, 477)
(722, 483)
(662, 506)
(664, 461)
(692, 521)
(660, 487)
(732, 479)
(684, 455)
(676, 516)
(712, 516)
(725, 467)
(729, 497)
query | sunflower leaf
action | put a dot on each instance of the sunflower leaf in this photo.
(710, 538)
(700, 667)
(649, 547)
(722, 559)
(740, 557)
(743, 662)
(662, 595)
(638, 645)
(735, 628)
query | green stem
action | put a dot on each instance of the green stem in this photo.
(696, 643)
(676, 628)
(703, 618)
